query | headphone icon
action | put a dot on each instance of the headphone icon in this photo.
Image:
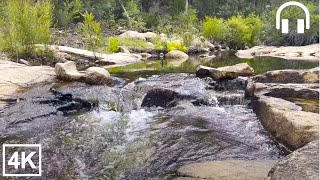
(285, 22)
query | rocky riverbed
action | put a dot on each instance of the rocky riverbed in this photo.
(164, 126)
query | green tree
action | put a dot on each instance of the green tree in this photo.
(26, 24)
(92, 31)
(68, 11)
(272, 36)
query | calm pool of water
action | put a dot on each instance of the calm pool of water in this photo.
(259, 64)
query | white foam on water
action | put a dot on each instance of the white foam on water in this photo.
(106, 117)
(138, 123)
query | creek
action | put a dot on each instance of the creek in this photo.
(148, 122)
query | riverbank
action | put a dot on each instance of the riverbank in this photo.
(309, 52)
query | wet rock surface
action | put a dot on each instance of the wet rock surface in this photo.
(301, 164)
(227, 170)
(288, 122)
(120, 138)
(227, 72)
(289, 76)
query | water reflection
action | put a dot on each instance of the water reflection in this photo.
(227, 58)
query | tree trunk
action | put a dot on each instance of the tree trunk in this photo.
(125, 12)
(187, 6)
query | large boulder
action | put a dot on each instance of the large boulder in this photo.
(286, 122)
(200, 45)
(68, 71)
(301, 164)
(133, 35)
(149, 35)
(96, 75)
(228, 170)
(242, 69)
(289, 76)
(228, 72)
(215, 74)
(177, 55)
(136, 35)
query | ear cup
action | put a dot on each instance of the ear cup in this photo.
(285, 26)
(300, 25)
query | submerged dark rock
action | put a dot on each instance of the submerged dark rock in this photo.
(159, 98)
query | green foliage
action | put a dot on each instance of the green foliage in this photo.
(238, 33)
(188, 21)
(26, 24)
(92, 31)
(255, 25)
(187, 38)
(159, 43)
(292, 13)
(130, 42)
(243, 31)
(69, 11)
(135, 21)
(214, 28)
(176, 46)
(113, 44)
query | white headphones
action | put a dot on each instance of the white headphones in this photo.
(285, 22)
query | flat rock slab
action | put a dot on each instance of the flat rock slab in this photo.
(227, 170)
(286, 122)
(289, 76)
(14, 76)
(301, 164)
(304, 91)
(112, 60)
(310, 52)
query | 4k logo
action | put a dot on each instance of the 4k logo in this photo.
(21, 159)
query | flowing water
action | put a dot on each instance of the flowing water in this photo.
(145, 125)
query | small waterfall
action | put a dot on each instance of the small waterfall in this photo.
(213, 101)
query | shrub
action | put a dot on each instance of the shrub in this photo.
(113, 44)
(115, 41)
(187, 38)
(158, 43)
(92, 31)
(26, 24)
(68, 11)
(188, 22)
(214, 28)
(176, 46)
(238, 32)
(255, 25)
(130, 42)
